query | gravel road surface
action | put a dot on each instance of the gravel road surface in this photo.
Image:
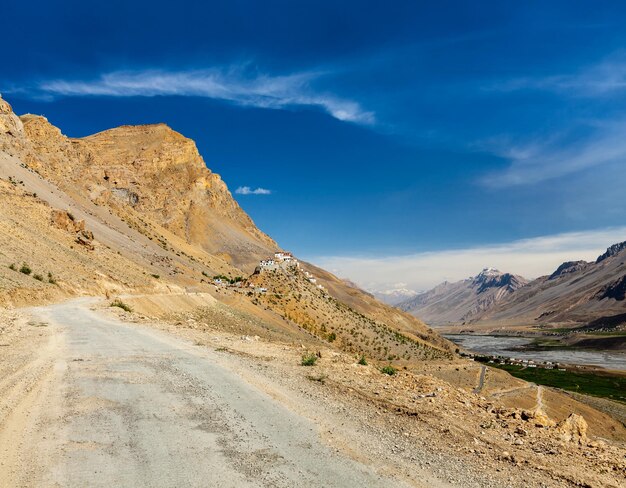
(127, 405)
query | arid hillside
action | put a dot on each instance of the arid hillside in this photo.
(156, 172)
(144, 194)
(352, 323)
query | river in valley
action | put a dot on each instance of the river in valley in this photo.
(503, 345)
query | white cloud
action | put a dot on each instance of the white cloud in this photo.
(554, 158)
(529, 257)
(235, 85)
(557, 156)
(601, 79)
(246, 190)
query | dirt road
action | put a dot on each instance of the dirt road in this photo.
(481, 379)
(127, 405)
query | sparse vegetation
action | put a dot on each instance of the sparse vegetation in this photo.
(321, 378)
(331, 337)
(13, 267)
(389, 369)
(362, 361)
(222, 277)
(120, 304)
(37, 324)
(155, 276)
(38, 277)
(309, 360)
(25, 269)
(51, 279)
(600, 384)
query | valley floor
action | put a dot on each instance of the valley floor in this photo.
(91, 396)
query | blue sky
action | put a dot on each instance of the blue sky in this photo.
(365, 131)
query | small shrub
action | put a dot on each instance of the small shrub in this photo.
(155, 276)
(38, 277)
(363, 361)
(308, 360)
(120, 304)
(331, 337)
(319, 378)
(26, 269)
(389, 369)
(13, 267)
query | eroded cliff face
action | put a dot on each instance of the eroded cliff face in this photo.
(153, 171)
(10, 124)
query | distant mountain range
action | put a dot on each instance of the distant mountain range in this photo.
(395, 296)
(451, 303)
(576, 293)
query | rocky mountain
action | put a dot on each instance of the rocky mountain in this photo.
(576, 293)
(451, 303)
(567, 268)
(152, 171)
(134, 209)
(613, 250)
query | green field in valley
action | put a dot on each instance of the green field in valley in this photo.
(600, 384)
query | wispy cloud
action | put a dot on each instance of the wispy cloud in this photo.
(601, 79)
(556, 157)
(529, 257)
(234, 84)
(246, 190)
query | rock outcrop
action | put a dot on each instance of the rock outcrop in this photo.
(613, 250)
(615, 290)
(10, 123)
(64, 220)
(568, 268)
(573, 429)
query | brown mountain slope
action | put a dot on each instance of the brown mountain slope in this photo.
(158, 173)
(147, 197)
(452, 303)
(358, 322)
(43, 261)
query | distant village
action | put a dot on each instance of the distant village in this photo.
(282, 260)
(528, 363)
